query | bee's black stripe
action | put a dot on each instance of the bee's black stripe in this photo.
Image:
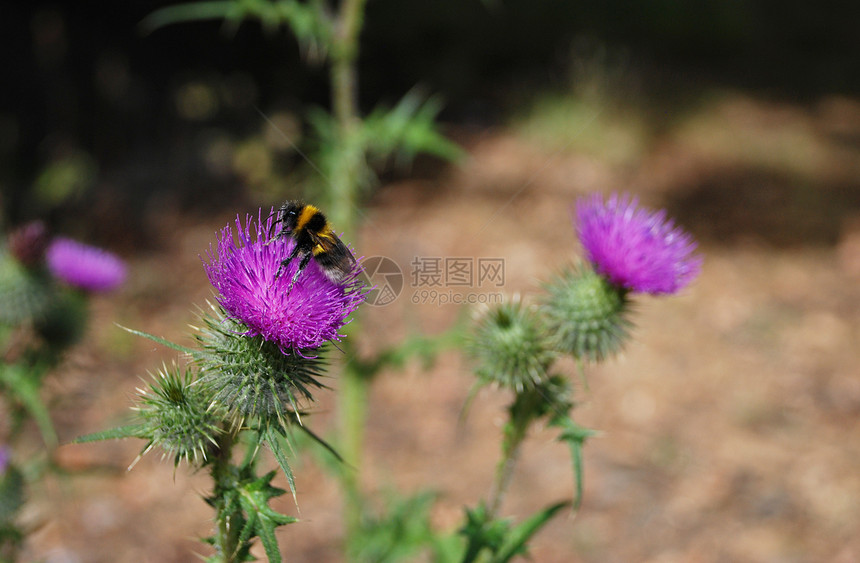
(312, 219)
(318, 224)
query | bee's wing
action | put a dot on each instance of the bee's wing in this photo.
(333, 255)
(324, 242)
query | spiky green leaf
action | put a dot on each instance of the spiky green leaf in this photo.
(19, 383)
(275, 437)
(254, 497)
(398, 533)
(118, 433)
(407, 129)
(575, 437)
(517, 538)
(159, 340)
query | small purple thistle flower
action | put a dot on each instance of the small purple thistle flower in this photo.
(298, 318)
(83, 266)
(635, 248)
(29, 242)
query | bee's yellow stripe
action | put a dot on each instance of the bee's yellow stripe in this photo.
(308, 211)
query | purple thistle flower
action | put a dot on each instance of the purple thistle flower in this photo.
(302, 317)
(83, 266)
(635, 248)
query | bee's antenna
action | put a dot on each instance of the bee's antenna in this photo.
(275, 222)
(273, 213)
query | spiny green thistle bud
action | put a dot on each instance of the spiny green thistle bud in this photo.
(24, 294)
(175, 416)
(510, 349)
(250, 377)
(585, 314)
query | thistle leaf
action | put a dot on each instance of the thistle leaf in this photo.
(18, 382)
(517, 538)
(254, 497)
(274, 437)
(118, 433)
(575, 436)
(159, 340)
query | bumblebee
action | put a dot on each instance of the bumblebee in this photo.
(314, 238)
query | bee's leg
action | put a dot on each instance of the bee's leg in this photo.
(302, 265)
(286, 262)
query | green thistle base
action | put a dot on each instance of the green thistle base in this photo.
(586, 315)
(251, 378)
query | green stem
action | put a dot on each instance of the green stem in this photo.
(221, 469)
(526, 408)
(344, 185)
(353, 418)
(346, 173)
(344, 74)
(515, 435)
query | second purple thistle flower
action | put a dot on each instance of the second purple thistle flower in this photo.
(635, 248)
(245, 274)
(83, 266)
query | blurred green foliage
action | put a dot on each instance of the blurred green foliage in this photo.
(66, 178)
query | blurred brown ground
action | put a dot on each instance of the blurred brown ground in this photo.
(728, 429)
